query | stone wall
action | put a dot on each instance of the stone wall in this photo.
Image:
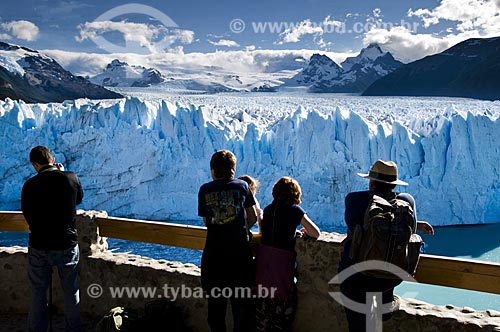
(316, 310)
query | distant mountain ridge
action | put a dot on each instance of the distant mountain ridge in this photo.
(469, 69)
(353, 76)
(119, 73)
(33, 77)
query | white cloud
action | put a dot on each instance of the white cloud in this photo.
(81, 63)
(408, 46)
(137, 32)
(152, 37)
(294, 32)
(322, 43)
(250, 61)
(425, 15)
(471, 19)
(353, 15)
(329, 24)
(481, 15)
(183, 36)
(224, 42)
(405, 45)
(176, 36)
(5, 36)
(22, 29)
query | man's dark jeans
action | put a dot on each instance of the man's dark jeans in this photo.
(40, 263)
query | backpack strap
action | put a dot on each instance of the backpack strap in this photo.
(413, 214)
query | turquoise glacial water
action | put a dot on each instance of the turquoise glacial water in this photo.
(479, 242)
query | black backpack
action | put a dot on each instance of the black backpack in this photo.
(387, 235)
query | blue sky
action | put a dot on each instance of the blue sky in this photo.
(409, 29)
(58, 21)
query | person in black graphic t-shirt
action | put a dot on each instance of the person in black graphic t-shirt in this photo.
(227, 260)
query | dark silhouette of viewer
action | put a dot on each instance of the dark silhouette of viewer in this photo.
(383, 178)
(48, 202)
(227, 206)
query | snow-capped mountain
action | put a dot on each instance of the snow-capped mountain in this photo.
(468, 69)
(319, 69)
(365, 58)
(355, 75)
(33, 77)
(197, 85)
(215, 81)
(121, 74)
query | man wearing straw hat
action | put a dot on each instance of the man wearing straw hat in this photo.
(383, 178)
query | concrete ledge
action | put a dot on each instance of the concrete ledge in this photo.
(14, 288)
(316, 310)
(419, 316)
(111, 271)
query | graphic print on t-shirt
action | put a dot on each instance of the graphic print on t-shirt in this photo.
(223, 206)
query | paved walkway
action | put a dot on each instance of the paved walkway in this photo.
(17, 323)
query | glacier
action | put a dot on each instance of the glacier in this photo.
(147, 157)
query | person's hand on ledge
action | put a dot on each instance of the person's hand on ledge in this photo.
(303, 235)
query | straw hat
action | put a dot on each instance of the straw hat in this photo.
(384, 171)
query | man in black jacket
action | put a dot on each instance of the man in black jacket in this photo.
(48, 202)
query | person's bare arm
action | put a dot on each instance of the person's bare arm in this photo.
(425, 228)
(310, 228)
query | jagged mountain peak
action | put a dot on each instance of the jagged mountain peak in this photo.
(367, 55)
(320, 58)
(319, 68)
(120, 73)
(323, 75)
(116, 63)
(372, 51)
(321, 61)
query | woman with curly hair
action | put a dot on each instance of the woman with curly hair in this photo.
(276, 255)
